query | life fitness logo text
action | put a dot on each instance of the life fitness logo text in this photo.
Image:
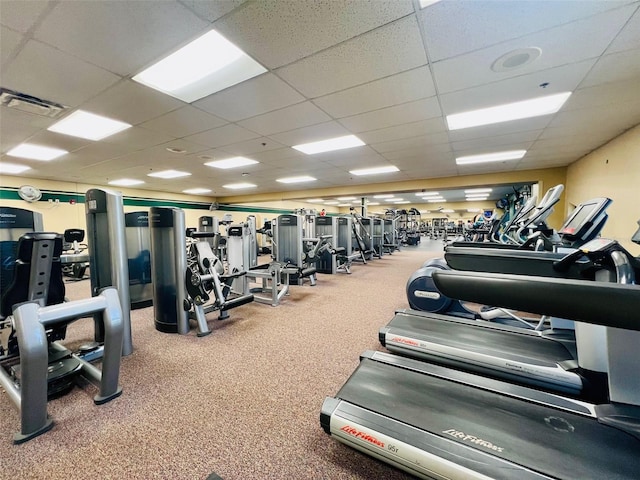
(473, 439)
(405, 340)
(354, 432)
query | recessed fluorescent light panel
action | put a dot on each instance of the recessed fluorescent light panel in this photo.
(13, 168)
(346, 199)
(478, 190)
(331, 202)
(491, 157)
(338, 143)
(169, 174)
(300, 179)
(373, 203)
(385, 195)
(436, 200)
(36, 152)
(231, 162)
(315, 200)
(427, 194)
(507, 112)
(197, 191)
(239, 186)
(207, 65)
(447, 210)
(426, 3)
(88, 125)
(125, 182)
(374, 171)
(401, 202)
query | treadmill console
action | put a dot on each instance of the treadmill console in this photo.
(592, 249)
(586, 221)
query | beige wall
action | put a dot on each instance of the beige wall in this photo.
(613, 171)
(546, 179)
(62, 215)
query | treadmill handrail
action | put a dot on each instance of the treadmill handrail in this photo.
(582, 300)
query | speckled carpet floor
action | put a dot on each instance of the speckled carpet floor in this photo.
(243, 402)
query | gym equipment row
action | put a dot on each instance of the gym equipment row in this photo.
(34, 317)
(186, 276)
(438, 419)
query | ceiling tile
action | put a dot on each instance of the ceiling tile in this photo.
(219, 137)
(406, 130)
(453, 28)
(249, 147)
(483, 168)
(447, 72)
(400, 88)
(190, 148)
(575, 144)
(504, 128)
(138, 33)
(515, 145)
(58, 140)
(300, 115)
(420, 141)
(484, 143)
(211, 11)
(96, 152)
(616, 67)
(313, 133)
(281, 156)
(184, 121)
(605, 94)
(12, 116)
(47, 73)
(418, 150)
(260, 95)
(278, 32)
(131, 102)
(13, 134)
(629, 37)
(9, 39)
(396, 115)
(612, 119)
(560, 79)
(435, 171)
(137, 137)
(21, 15)
(385, 51)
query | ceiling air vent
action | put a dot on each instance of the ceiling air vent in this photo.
(29, 104)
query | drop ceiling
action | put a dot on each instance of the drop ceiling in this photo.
(386, 71)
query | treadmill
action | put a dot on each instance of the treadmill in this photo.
(583, 225)
(438, 422)
(553, 359)
(533, 220)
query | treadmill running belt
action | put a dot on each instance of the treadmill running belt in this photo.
(488, 341)
(543, 439)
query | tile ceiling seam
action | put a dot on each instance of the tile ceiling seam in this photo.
(28, 35)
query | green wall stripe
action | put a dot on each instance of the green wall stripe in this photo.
(11, 193)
